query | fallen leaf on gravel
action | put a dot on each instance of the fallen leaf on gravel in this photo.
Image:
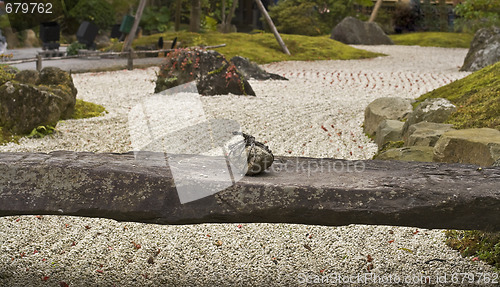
(99, 271)
(369, 267)
(136, 246)
(87, 227)
(406, 249)
(475, 259)
(416, 231)
(63, 284)
(391, 241)
(151, 260)
(157, 252)
(38, 216)
(308, 247)
(369, 258)
(45, 278)
(218, 243)
(391, 232)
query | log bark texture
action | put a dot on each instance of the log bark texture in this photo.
(295, 190)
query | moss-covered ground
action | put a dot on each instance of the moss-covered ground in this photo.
(476, 96)
(261, 48)
(83, 110)
(434, 39)
(480, 245)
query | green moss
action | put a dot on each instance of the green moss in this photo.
(389, 145)
(476, 96)
(434, 39)
(484, 245)
(6, 74)
(85, 109)
(262, 47)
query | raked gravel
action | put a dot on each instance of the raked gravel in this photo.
(288, 115)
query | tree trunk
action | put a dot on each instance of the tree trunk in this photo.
(131, 35)
(273, 28)
(195, 16)
(178, 4)
(229, 18)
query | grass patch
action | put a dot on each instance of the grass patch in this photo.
(85, 109)
(483, 245)
(434, 39)
(262, 48)
(477, 98)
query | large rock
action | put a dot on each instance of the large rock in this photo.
(426, 133)
(414, 153)
(250, 69)
(353, 31)
(436, 110)
(475, 146)
(385, 108)
(484, 49)
(32, 100)
(213, 74)
(387, 131)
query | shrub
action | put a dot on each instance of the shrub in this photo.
(313, 18)
(477, 14)
(155, 20)
(74, 47)
(98, 11)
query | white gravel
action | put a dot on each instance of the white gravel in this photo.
(288, 115)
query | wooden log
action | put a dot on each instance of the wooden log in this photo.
(296, 190)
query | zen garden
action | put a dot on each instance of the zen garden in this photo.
(250, 143)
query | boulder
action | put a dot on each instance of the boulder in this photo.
(426, 133)
(251, 70)
(436, 110)
(385, 108)
(484, 49)
(31, 40)
(354, 31)
(388, 130)
(214, 75)
(32, 99)
(61, 83)
(414, 153)
(31, 77)
(474, 146)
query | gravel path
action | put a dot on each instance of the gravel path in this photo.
(289, 115)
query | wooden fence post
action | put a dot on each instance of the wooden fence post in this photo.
(38, 63)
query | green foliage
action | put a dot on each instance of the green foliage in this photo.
(42, 131)
(477, 98)
(313, 17)
(476, 14)
(209, 24)
(484, 245)
(74, 47)
(85, 109)
(7, 73)
(155, 20)
(98, 11)
(434, 39)
(262, 47)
